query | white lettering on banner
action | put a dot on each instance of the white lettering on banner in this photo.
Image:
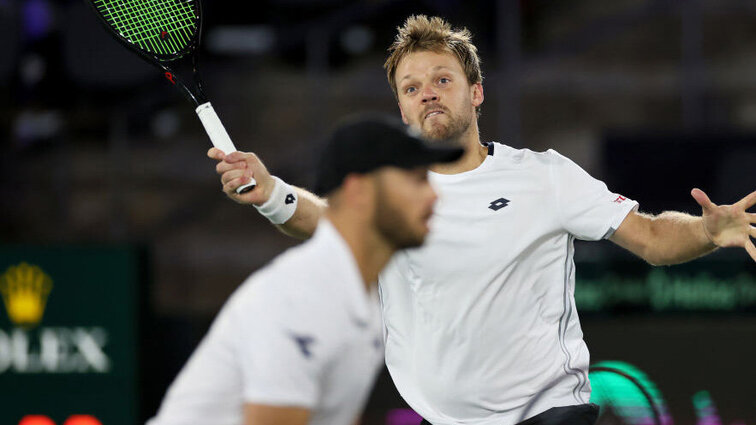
(51, 349)
(54, 350)
(5, 352)
(90, 346)
(20, 349)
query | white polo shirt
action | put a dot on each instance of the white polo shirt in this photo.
(480, 322)
(303, 332)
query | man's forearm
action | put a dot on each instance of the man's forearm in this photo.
(305, 219)
(668, 238)
(676, 238)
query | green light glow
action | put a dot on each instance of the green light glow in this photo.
(619, 387)
(665, 290)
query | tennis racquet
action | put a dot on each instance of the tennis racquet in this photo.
(166, 33)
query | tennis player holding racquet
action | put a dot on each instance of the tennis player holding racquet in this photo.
(166, 33)
(483, 316)
(300, 342)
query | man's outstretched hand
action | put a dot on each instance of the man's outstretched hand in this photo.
(729, 225)
(236, 169)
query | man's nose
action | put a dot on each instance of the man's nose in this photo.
(429, 95)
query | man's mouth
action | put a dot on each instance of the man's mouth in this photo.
(433, 114)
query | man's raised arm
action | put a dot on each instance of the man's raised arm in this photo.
(673, 237)
(293, 210)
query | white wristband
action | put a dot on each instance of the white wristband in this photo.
(282, 203)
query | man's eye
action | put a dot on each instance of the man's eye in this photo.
(444, 80)
(409, 90)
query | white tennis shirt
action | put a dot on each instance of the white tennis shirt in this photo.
(480, 322)
(303, 331)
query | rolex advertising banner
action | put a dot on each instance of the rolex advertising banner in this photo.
(68, 326)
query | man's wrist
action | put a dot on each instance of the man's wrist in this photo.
(712, 244)
(281, 204)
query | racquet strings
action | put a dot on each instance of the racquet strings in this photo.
(159, 27)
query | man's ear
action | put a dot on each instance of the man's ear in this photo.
(358, 189)
(477, 94)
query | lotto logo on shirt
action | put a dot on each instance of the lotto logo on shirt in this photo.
(620, 199)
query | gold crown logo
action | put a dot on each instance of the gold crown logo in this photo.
(24, 289)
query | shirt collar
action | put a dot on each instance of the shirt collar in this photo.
(338, 257)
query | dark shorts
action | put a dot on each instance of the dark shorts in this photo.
(583, 414)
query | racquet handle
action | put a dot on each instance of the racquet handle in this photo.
(219, 137)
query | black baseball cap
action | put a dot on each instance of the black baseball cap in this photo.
(363, 143)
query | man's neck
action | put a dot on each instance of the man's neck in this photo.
(474, 155)
(370, 251)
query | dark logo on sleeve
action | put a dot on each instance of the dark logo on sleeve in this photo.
(359, 323)
(304, 342)
(499, 204)
(289, 199)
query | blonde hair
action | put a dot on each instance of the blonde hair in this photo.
(420, 33)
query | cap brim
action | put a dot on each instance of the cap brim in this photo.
(447, 154)
(434, 155)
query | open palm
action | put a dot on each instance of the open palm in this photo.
(729, 225)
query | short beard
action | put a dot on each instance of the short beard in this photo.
(452, 132)
(391, 223)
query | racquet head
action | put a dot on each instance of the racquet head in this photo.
(160, 30)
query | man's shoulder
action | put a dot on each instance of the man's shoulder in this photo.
(505, 153)
(284, 297)
(313, 259)
(290, 279)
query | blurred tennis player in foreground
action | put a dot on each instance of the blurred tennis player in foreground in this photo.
(300, 342)
(480, 323)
